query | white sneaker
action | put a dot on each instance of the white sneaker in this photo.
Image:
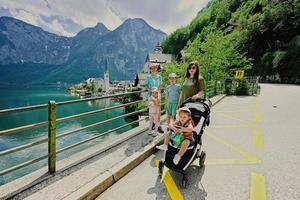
(154, 134)
(163, 147)
(176, 159)
(150, 132)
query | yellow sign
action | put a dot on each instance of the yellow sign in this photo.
(239, 74)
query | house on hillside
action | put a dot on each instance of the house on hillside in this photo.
(157, 56)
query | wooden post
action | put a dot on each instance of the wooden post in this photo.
(215, 88)
(51, 136)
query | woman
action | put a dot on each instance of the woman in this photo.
(194, 84)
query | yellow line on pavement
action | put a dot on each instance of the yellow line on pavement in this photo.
(245, 154)
(257, 102)
(235, 111)
(171, 186)
(241, 103)
(258, 187)
(257, 114)
(237, 161)
(258, 117)
(258, 139)
(233, 126)
(237, 119)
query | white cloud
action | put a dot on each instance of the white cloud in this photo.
(57, 27)
(190, 5)
(166, 15)
(25, 16)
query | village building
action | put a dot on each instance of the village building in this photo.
(157, 56)
(99, 83)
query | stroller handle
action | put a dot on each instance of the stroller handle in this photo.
(194, 100)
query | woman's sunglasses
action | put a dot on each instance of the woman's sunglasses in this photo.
(193, 67)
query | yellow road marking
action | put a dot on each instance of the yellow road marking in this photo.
(258, 139)
(235, 111)
(233, 126)
(258, 117)
(257, 102)
(247, 156)
(258, 188)
(171, 186)
(257, 114)
(241, 103)
(237, 161)
(237, 119)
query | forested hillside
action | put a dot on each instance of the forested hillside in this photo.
(262, 36)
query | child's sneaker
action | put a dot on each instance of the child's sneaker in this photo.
(163, 147)
(154, 133)
(160, 130)
(176, 159)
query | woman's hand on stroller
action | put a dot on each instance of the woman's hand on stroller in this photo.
(198, 95)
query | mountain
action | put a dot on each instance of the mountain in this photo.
(85, 39)
(262, 36)
(77, 58)
(21, 43)
(126, 48)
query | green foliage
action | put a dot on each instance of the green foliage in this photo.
(231, 34)
(242, 87)
(176, 41)
(278, 58)
(173, 68)
(90, 87)
(217, 55)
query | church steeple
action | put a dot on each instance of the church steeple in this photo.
(158, 48)
(106, 76)
(106, 65)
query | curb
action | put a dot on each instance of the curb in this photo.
(108, 178)
(219, 98)
(93, 189)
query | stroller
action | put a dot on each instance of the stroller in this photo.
(200, 111)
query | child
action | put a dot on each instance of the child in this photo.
(186, 125)
(154, 111)
(154, 80)
(172, 97)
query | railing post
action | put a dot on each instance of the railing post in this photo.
(51, 136)
(215, 87)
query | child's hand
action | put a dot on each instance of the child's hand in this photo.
(176, 130)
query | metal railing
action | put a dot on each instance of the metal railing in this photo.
(52, 132)
(231, 86)
(214, 88)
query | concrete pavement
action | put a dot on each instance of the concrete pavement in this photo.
(252, 151)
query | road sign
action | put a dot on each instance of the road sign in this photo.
(239, 74)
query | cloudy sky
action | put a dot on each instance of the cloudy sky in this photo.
(67, 17)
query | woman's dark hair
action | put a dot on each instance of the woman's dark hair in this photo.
(196, 75)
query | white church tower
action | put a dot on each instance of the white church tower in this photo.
(106, 76)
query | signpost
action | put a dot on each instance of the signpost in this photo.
(239, 74)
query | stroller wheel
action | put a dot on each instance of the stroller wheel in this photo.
(160, 168)
(184, 181)
(202, 159)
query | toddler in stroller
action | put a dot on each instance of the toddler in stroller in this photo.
(200, 111)
(181, 133)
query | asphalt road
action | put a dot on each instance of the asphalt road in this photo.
(252, 148)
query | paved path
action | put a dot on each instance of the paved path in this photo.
(252, 150)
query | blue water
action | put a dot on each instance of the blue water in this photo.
(25, 96)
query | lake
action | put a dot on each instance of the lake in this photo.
(12, 96)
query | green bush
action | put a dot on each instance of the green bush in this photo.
(242, 87)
